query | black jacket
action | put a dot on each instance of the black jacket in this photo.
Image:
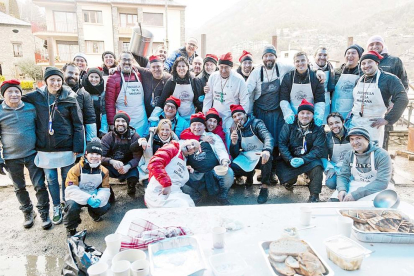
(85, 103)
(332, 139)
(239, 70)
(394, 66)
(252, 127)
(344, 70)
(67, 121)
(291, 142)
(317, 87)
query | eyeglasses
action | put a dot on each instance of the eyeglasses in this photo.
(192, 45)
(126, 60)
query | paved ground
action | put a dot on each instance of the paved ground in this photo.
(39, 252)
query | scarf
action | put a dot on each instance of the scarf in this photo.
(93, 90)
(187, 135)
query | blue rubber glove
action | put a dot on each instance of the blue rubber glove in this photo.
(290, 119)
(296, 162)
(153, 123)
(94, 202)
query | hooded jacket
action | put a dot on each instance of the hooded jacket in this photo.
(252, 127)
(168, 64)
(67, 121)
(291, 142)
(383, 166)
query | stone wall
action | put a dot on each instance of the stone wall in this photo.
(398, 138)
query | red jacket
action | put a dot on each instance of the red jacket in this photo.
(113, 87)
(161, 159)
(220, 132)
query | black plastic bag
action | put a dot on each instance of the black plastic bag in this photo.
(80, 256)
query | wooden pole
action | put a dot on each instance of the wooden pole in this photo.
(350, 40)
(274, 41)
(51, 51)
(203, 45)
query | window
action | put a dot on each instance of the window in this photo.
(17, 50)
(153, 19)
(127, 20)
(66, 50)
(286, 55)
(94, 47)
(92, 17)
(125, 46)
(65, 22)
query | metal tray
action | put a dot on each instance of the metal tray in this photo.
(381, 237)
(264, 246)
(180, 256)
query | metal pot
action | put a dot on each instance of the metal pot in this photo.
(141, 41)
(387, 199)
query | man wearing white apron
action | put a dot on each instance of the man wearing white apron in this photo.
(87, 185)
(373, 94)
(321, 63)
(345, 79)
(301, 84)
(366, 170)
(226, 88)
(168, 173)
(251, 147)
(338, 147)
(124, 92)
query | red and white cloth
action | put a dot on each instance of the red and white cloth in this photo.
(142, 232)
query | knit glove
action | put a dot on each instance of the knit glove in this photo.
(94, 202)
(296, 162)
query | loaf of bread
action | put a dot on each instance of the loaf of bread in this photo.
(288, 246)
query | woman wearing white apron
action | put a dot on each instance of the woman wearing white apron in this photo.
(87, 185)
(373, 94)
(366, 170)
(168, 173)
(338, 147)
(346, 77)
(180, 86)
(302, 84)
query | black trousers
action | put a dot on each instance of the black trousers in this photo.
(316, 176)
(266, 170)
(71, 218)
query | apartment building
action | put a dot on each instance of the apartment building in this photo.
(94, 26)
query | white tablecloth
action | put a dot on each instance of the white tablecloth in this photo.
(266, 223)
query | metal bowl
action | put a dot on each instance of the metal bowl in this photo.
(387, 199)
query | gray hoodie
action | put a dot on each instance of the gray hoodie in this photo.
(383, 166)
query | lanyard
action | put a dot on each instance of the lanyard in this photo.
(153, 103)
(51, 110)
(364, 91)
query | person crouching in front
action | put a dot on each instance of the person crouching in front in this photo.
(87, 185)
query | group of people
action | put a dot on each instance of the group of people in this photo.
(168, 121)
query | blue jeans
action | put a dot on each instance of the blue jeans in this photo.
(210, 181)
(16, 173)
(331, 182)
(53, 183)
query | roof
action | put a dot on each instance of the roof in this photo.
(139, 2)
(6, 19)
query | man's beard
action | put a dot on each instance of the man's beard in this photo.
(269, 64)
(71, 81)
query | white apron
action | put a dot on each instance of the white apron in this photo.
(54, 160)
(300, 92)
(134, 104)
(338, 153)
(89, 182)
(327, 96)
(248, 158)
(374, 107)
(178, 173)
(342, 98)
(361, 179)
(185, 93)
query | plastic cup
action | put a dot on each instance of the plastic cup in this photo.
(305, 216)
(218, 237)
(121, 268)
(113, 243)
(345, 226)
(98, 269)
(140, 268)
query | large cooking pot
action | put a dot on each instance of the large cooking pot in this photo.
(141, 41)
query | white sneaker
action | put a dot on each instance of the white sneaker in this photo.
(57, 215)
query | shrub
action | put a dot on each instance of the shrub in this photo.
(26, 85)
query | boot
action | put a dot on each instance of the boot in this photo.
(313, 198)
(273, 179)
(29, 219)
(249, 182)
(70, 232)
(46, 222)
(131, 182)
(263, 195)
(239, 180)
(289, 187)
(259, 177)
(112, 196)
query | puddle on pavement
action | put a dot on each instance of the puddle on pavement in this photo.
(30, 265)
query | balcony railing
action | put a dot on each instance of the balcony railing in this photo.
(59, 27)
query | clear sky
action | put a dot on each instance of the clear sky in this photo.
(199, 11)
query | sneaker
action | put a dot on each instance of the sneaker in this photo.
(313, 198)
(239, 180)
(57, 215)
(29, 219)
(223, 201)
(289, 187)
(273, 179)
(46, 222)
(263, 195)
(131, 188)
(70, 232)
